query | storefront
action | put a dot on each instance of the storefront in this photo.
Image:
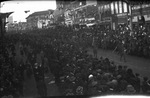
(145, 11)
(122, 18)
(119, 13)
(107, 22)
(105, 16)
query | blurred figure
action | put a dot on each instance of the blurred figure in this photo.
(39, 76)
(145, 85)
(121, 50)
(94, 47)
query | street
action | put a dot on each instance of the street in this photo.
(138, 64)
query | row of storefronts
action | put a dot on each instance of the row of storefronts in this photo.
(109, 13)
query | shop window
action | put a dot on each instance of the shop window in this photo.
(105, 8)
(108, 8)
(102, 9)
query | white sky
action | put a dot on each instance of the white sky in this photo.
(18, 7)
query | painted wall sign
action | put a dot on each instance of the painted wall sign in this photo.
(122, 14)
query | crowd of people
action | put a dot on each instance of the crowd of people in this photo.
(136, 42)
(63, 52)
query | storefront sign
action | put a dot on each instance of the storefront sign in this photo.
(91, 2)
(139, 6)
(122, 20)
(89, 19)
(107, 19)
(121, 14)
(136, 13)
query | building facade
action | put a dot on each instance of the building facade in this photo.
(10, 19)
(59, 11)
(40, 19)
(81, 12)
(113, 13)
(145, 11)
(106, 13)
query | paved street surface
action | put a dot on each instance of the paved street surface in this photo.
(138, 64)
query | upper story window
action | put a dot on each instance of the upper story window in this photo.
(116, 7)
(108, 6)
(120, 7)
(105, 7)
(112, 8)
(125, 7)
(80, 3)
(102, 9)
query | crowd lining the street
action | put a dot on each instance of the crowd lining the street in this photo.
(62, 51)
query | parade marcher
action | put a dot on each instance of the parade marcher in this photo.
(121, 50)
(39, 76)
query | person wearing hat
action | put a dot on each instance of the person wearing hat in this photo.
(122, 83)
(145, 85)
(137, 83)
(69, 92)
(130, 89)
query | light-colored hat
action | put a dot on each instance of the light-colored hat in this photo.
(130, 89)
(115, 82)
(90, 76)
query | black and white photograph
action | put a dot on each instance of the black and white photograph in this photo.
(74, 48)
